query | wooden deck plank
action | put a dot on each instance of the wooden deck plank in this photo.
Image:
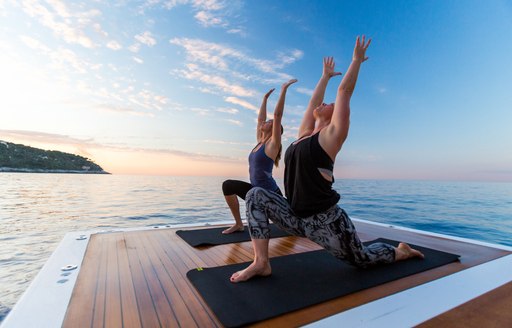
(159, 259)
(169, 277)
(101, 281)
(81, 316)
(147, 312)
(130, 309)
(177, 270)
(113, 316)
(151, 268)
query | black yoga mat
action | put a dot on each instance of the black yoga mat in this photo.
(298, 281)
(214, 236)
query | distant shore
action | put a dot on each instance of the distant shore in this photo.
(20, 170)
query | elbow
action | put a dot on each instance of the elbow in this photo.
(278, 115)
(346, 89)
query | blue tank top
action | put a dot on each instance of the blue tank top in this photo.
(260, 169)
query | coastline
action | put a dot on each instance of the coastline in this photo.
(20, 170)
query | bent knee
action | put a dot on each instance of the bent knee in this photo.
(254, 193)
(228, 187)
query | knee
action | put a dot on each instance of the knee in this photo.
(253, 194)
(227, 187)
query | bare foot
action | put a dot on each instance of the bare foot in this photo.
(252, 270)
(234, 228)
(404, 251)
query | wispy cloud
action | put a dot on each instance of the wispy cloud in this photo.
(146, 38)
(68, 25)
(234, 122)
(193, 72)
(240, 102)
(123, 110)
(114, 45)
(224, 142)
(382, 90)
(228, 110)
(214, 63)
(61, 58)
(138, 60)
(304, 91)
(208, 13)
(86, 145)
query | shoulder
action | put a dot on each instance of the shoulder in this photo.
(328, 142)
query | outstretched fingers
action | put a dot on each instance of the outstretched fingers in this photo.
(287, 84)
(269, 93)
(329, 65)
(360, 48)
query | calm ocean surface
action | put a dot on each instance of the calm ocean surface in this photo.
(36, 211)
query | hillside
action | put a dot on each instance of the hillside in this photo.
(21, 158)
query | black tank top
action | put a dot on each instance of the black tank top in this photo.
(307, 191)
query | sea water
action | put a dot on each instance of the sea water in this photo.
(37, 210)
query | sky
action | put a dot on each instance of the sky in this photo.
(173, 87)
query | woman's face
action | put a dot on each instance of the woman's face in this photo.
(267, 126)
(324, 111)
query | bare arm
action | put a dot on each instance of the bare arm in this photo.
(262, 114)
(308, 121)
(337, 131)
(275, 141)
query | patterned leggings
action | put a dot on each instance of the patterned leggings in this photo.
(332, 229)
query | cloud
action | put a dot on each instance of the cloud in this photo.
(223, 142)
(86, 145)
(382, 90)
(134, 47)
(208, 13)
(138, 60)
(202, 56)
(114, 45)
(122, 110)
(61, 58)
(146, 38)
(228, 110)
(304, 91)
(70, 26)
(192, 72)
(208, 19)
(234, 122)
(201, 111)
(241, 102)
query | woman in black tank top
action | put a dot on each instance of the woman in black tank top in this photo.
(311, 209)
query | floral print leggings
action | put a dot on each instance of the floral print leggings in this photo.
(332, 229)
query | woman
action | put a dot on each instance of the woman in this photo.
(311, 209)
(266, 153)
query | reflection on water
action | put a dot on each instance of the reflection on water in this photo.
(36, 210)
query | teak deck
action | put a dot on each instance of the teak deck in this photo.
(138, 279)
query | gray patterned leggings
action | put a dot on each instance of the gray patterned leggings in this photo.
(332, 229)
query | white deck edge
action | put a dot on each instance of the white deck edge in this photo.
(46, 299)
(419, 304)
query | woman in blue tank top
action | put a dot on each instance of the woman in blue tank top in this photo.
(262, 158)
(311, 209)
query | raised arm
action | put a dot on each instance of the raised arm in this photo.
(337, 131)
(275, 141)
(262, 115)
(308, 121)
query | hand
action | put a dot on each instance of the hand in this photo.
(329, 67)
(360, 50)
(287, 84)
(269, 93)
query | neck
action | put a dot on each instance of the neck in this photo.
(264, 137)
(319, 125)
